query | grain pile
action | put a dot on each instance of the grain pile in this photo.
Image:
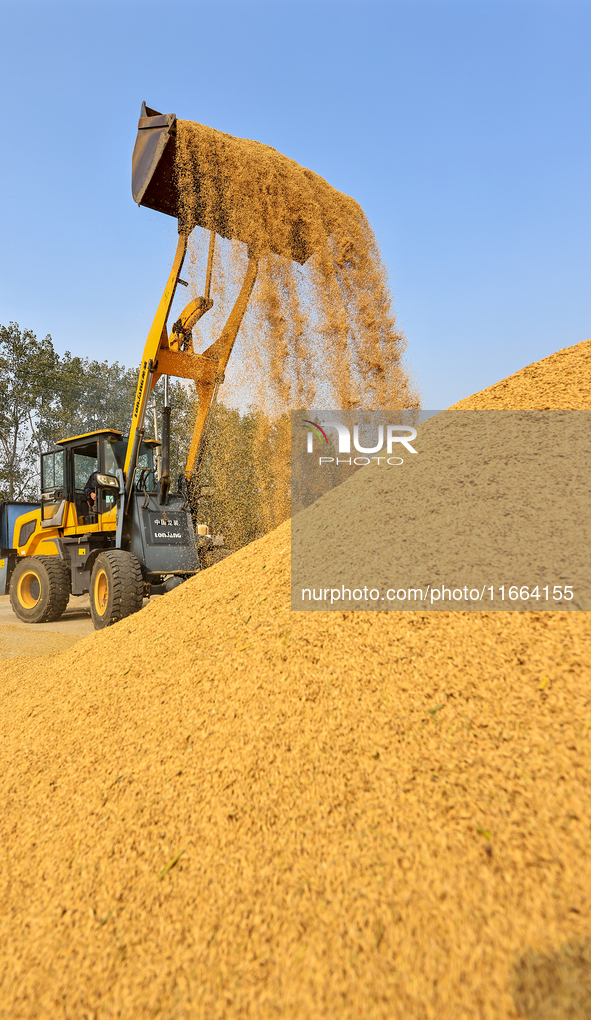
(495, 499)
(561, 381)
(222, 809)
(16, 641)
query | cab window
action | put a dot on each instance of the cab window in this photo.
(144, 474)
(85, 464)
(52, 471)
(145, 478)
(52, 484)
(113, 456)
(106, 499)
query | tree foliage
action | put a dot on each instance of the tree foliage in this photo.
(45, 397)
(27, 388)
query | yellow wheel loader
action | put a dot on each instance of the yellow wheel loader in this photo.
(130, 537)
(127, 535)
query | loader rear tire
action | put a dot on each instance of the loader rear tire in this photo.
(116, 587)
(40, 589)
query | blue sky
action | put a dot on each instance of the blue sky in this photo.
(462, 128)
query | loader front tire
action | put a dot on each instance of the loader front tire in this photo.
(40, 589)
(116, 587)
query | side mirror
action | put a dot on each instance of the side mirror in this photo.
(107, 482)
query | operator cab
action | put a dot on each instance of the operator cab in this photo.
(66, 471)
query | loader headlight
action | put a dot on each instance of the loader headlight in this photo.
(107, 482)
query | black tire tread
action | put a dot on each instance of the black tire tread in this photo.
(59, 579)
(55, 586)
(127, 584)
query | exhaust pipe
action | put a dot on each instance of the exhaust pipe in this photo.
(165, 449)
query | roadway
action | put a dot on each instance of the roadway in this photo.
(24, 639)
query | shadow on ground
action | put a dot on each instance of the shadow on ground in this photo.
(556, 985)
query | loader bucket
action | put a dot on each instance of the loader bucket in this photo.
(154, 184)
(153, 181)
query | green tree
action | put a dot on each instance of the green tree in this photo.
(91, 395)
(44, 398)
(27, 393)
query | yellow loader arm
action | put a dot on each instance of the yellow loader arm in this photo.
(144, 386)
(164, 355)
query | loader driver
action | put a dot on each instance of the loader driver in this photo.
(90, 487)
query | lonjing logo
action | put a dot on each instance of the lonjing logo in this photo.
(319, 430)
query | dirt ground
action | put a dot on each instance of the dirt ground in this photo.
(21, 639)
(219, 808)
